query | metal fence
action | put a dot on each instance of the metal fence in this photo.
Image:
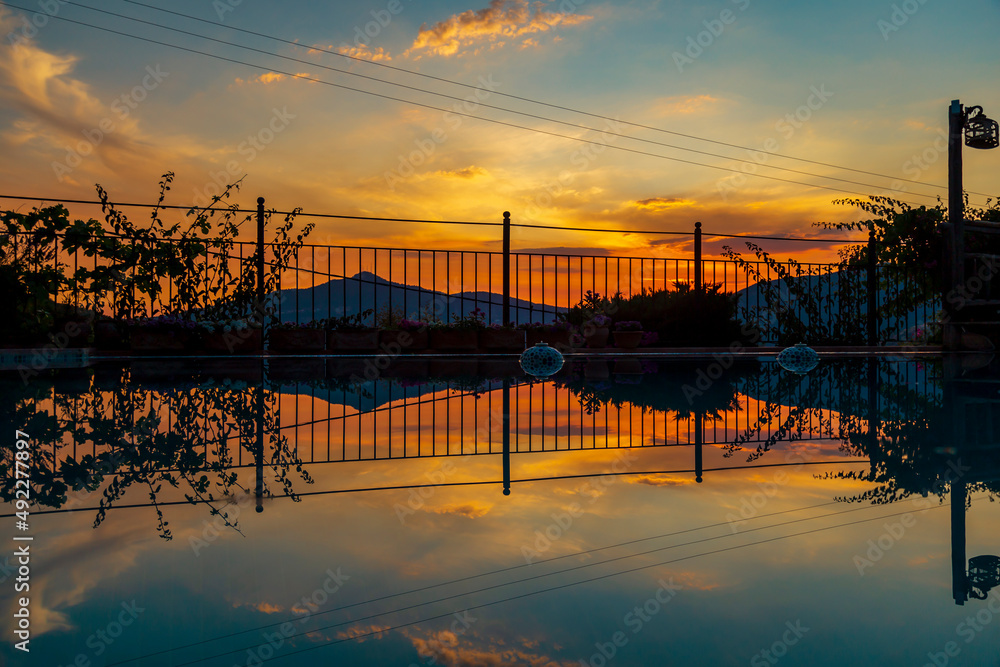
(519, 287)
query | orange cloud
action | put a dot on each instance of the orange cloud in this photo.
(362, 51)
(661, 203)
(466, 172)
(658, 480)
(266, 78)
(685, 105)
(503, 22)
(468, 510)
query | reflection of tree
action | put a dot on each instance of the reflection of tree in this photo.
(912, 451)
(148, 438)
(681, 389)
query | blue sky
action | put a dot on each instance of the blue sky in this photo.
(853, 84)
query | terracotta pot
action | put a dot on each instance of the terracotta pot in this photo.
(360, 339)
(77, 331)
(245, 341)
(557, 339)
(453, 339)
(109, 335)
(628, 339)
(292, 341)
(408, 341)
(146, 340)
(597, 338)
(502, 339)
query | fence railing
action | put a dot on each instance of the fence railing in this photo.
(518, 287)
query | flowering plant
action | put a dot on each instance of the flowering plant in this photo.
(354, 322)
(411, 325)
(599, 320)
(628, 325)
(226, 325)
(495, 326)
(474, 320)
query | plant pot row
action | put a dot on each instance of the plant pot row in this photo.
(394, 342)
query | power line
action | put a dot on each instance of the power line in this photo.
(434, 108)
(481, 575)
(483, 104)
(533, 101)
(563, 586)
(659, 232)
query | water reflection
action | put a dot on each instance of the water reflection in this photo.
(157, 436)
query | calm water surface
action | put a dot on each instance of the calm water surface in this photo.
(707, 512)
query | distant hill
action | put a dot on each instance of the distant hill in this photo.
(348, 296)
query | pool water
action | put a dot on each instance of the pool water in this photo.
(631, 511)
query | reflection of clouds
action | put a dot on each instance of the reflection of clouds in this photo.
(76, 564)
(659, 480)
(469, 510)
(470, 650)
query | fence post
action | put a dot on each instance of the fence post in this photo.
(872, 291)
(260, 266)
(506, 268)
(697, 258)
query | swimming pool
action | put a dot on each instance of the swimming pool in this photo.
(701, 511)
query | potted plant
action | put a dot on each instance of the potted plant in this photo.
(595, 331)
(351, 332)
(409, 335)
(161, 334)
(295, 337)
(556, 334)
(461, 334)
(628, 334)
(499, 337)
(230, 336)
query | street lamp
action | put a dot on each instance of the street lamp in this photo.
(980, 131)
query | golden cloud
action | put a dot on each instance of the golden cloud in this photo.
(658, 480)
(266, 78)
(685, 105)
(446, 648)
(362, 51)
(661, 203)
(503, 22)
(471, 510)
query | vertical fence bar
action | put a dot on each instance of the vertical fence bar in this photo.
(260, 267)
(697, 258)
(872, 291)
(506, 268)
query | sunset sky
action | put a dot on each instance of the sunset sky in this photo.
(853, 84)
